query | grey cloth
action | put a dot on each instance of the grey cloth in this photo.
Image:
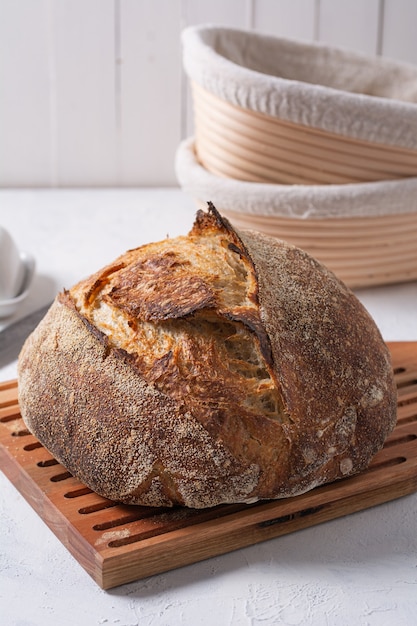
(333, 89)
(367, 98)
(300, 201)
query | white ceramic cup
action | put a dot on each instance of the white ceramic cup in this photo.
(11, 267)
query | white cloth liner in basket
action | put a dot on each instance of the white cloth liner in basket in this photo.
(369, 99)
(298, 201)
(332, 89)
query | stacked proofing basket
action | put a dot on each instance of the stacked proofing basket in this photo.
(311, 144)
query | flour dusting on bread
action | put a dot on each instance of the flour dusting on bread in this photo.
(216, 367)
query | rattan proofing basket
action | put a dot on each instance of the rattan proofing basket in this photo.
(307, 143)
(375, 249)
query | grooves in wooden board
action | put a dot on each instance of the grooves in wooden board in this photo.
(117, 544)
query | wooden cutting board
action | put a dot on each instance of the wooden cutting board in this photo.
(117, 544)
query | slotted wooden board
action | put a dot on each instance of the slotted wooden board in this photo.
(117, 544)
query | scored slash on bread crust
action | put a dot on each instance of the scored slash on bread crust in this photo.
(217, 367)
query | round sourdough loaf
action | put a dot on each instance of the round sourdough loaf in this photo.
(216, 367)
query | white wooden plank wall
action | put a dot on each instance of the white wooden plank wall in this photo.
(93, 93)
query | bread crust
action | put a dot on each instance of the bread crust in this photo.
(108, 418)
(334, 369)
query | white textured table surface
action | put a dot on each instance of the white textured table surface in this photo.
(359, 570)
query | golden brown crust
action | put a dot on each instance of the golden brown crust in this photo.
(90, 407)
(217, 367)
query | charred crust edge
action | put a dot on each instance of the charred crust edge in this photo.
(210, 218)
